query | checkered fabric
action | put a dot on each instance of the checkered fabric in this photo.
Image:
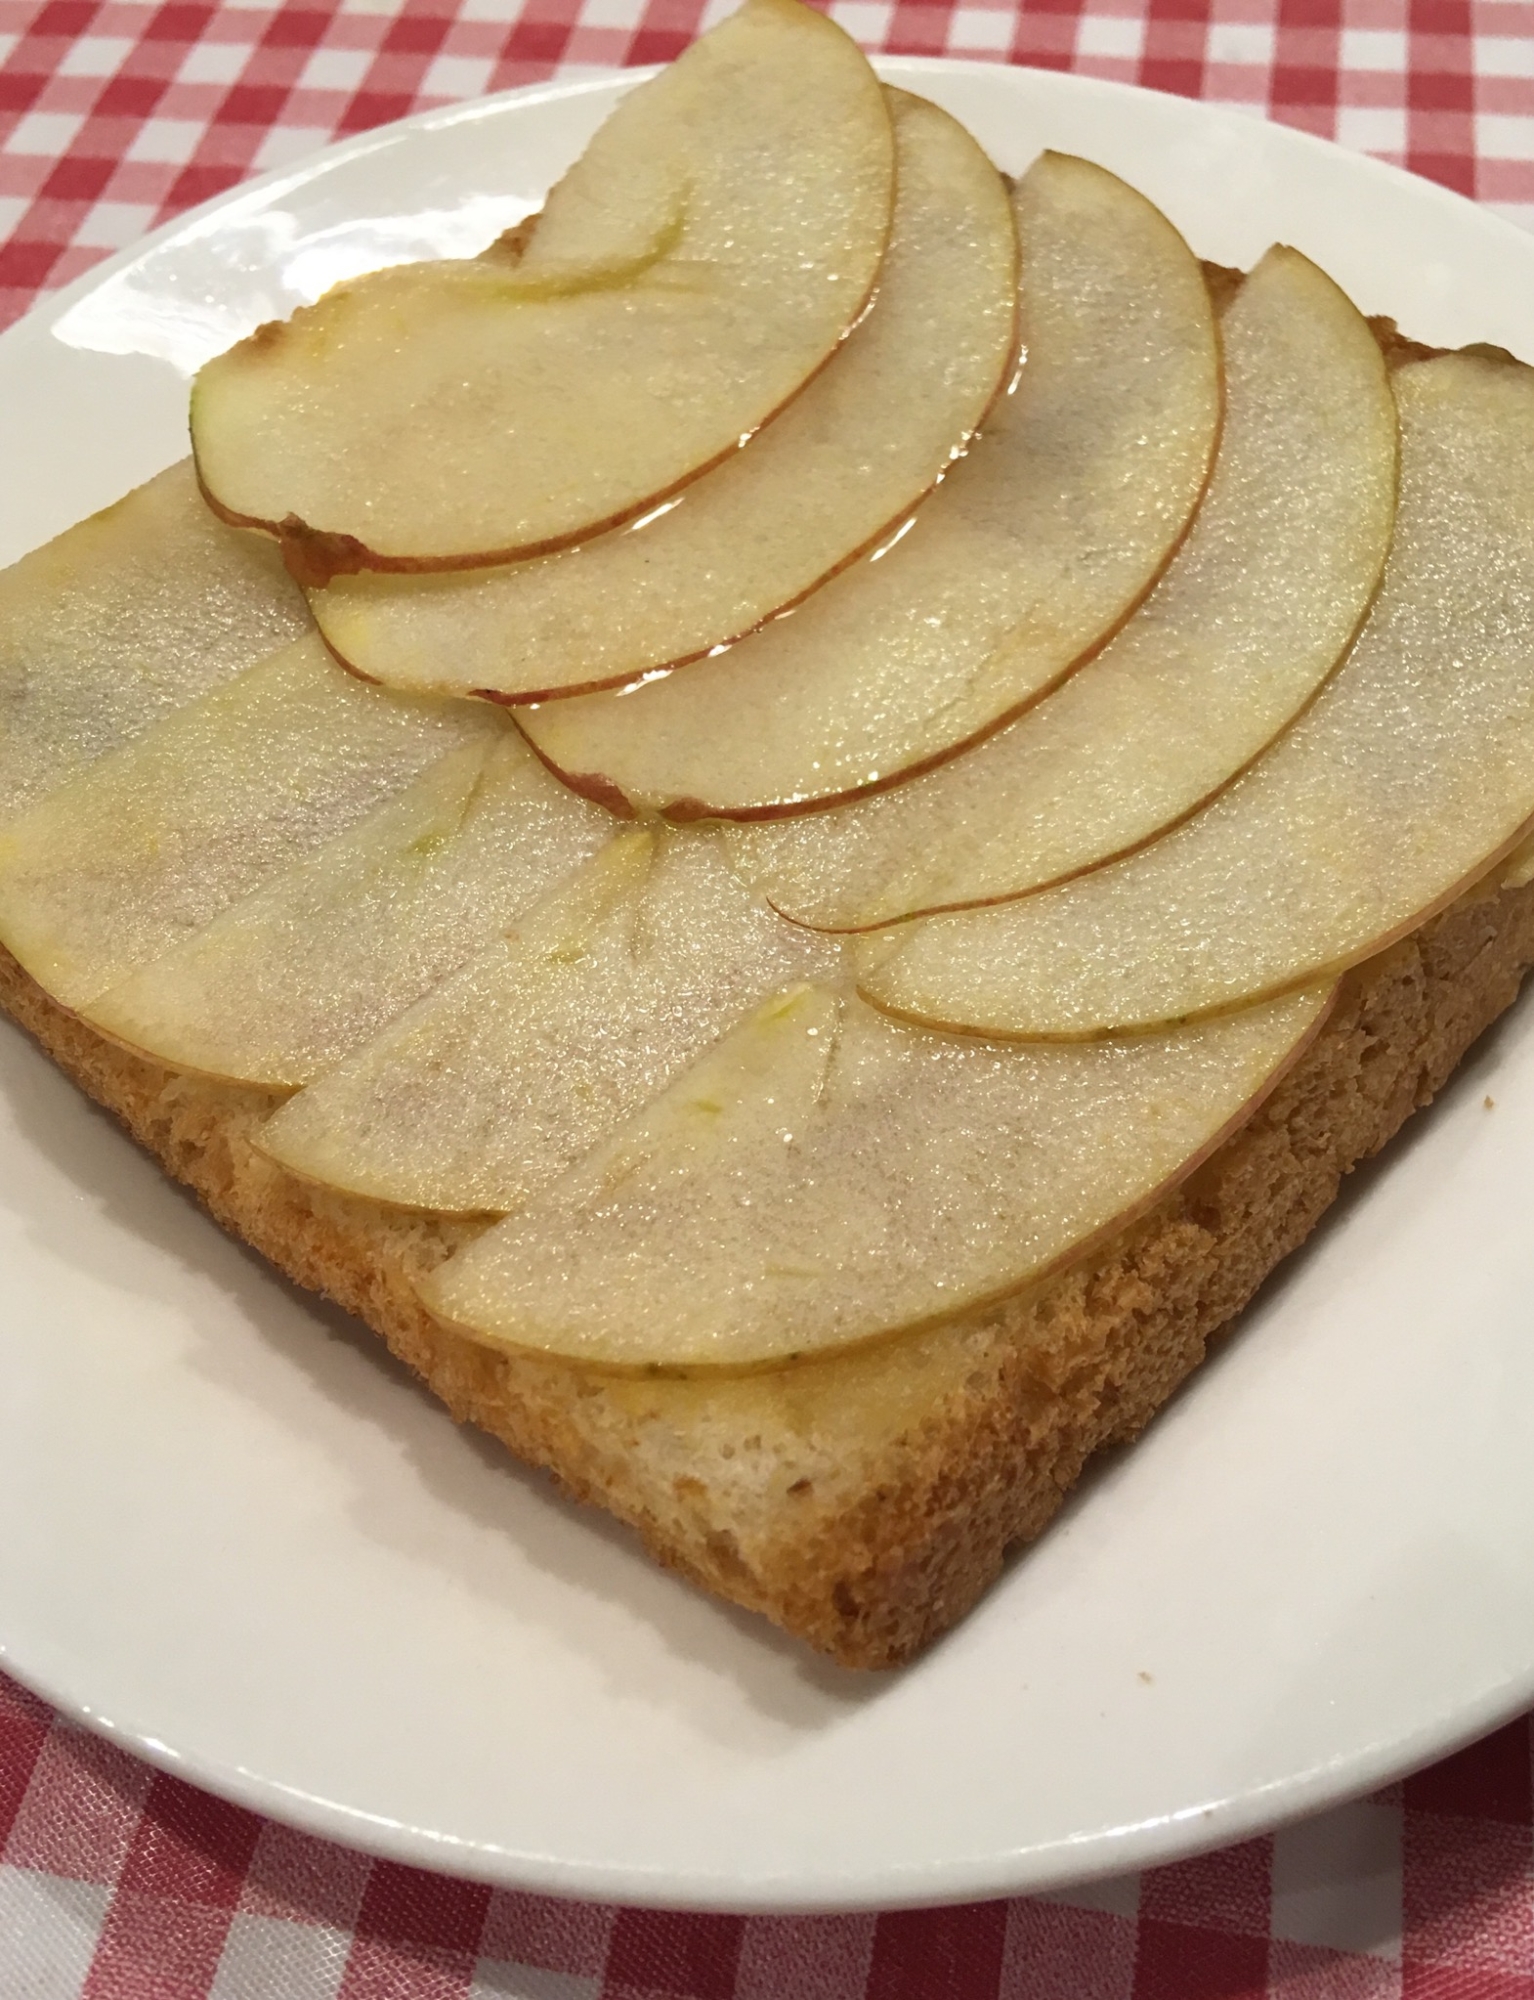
(120, 1884)
(115, 114)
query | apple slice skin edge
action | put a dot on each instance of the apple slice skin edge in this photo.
(897, 668)
(381, 627)
(1064, 966)
(316, 549)
(1218, 661)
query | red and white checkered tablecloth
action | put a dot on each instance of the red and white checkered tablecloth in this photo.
(115, 114)
(117, 1883)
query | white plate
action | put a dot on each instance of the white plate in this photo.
(239, 1539)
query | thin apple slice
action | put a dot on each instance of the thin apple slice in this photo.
(825, 1176)
(119, 620)
(847, 458)
(494, 1083)
(1257, 607)
(151, 842)
(687, 277)
(1406, 779)
(282, 985)
(1035, 547)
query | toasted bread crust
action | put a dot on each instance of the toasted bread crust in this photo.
(865, 1500)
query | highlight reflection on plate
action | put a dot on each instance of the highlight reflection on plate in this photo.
(258, 1553)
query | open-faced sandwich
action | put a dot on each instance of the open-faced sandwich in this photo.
(793, 825)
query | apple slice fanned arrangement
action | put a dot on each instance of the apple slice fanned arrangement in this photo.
(1253, 612)
(842, 466)
(688, 275)
(1045, 668)
(1409, 775)
(1036, 546)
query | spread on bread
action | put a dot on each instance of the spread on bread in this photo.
(1047, 701)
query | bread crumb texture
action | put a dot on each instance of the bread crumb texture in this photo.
(865, 1500)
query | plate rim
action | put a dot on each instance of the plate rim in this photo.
(1100, 1856)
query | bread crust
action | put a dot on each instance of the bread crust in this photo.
(864, 1500)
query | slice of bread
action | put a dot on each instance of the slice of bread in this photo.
(866, 1500)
